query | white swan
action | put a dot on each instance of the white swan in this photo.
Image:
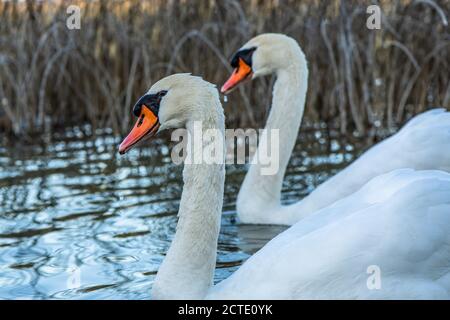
(182, 101)
(399, 222)
(424, 143)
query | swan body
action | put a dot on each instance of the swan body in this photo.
(422, 144)
(398, 222)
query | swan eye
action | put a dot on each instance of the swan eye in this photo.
(245, 55)
(151, 101)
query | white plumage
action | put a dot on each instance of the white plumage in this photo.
(399, 222)
(422, 144)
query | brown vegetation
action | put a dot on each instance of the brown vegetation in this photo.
(360, 79)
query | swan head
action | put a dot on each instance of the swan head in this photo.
(262, 55)
(167, 104)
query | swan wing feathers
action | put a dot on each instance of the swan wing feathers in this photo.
(426, 117)
(425, 141)
(422, 144)
(397, 228)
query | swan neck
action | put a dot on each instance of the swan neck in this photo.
(188, 269)
(288, 103)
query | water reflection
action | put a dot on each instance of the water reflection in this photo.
(79, 222)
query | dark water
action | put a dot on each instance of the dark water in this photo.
(77, 221)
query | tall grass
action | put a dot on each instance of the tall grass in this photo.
(360, 80)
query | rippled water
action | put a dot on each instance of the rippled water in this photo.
(78, 221)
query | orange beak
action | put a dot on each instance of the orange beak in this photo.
(241, 73)
(146, 126)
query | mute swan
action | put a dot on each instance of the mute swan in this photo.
(180, 101)
(399, 222)
(424, 143)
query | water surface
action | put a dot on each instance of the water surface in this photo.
(77, 221)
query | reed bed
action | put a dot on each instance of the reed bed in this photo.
(360, 80)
